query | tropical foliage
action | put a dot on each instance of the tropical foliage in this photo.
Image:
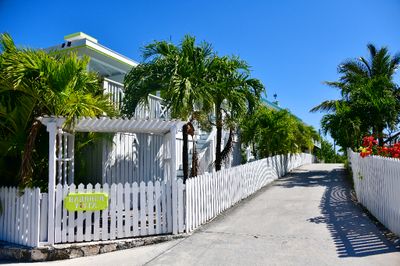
(369, 101)
(327, 153)
(36, 83)
(195, 83)
(270, 132)
(198, 86)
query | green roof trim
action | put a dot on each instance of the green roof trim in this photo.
(68, 49)
(80, 35)
(278, 108)
(271, 104)
(72, 35)
(93, 49)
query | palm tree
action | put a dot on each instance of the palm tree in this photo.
(344, 126)
(235, 95)
(179, 73)
(35, 83)
(194, 81)
(368, 89)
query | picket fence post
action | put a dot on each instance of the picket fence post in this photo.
(52, 129)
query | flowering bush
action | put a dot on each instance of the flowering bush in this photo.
(370, 147)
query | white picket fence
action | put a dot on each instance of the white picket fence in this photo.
(136, 209)
(377, 185)
(133, 210)
(209, 194)
(19, 220)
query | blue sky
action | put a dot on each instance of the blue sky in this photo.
(292, 46)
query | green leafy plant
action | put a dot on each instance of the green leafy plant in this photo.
(270, 132)
(35, 83)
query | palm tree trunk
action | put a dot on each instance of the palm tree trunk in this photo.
(380, 136)
(190, 131)
(195, 163)
(185, 153)
(26, 171)
(218, 154)
(228, 147)
(218, 158)
(253, 146)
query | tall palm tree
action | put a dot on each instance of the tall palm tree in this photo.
(235, 94)
(179, 73)
(35, 83)
(368, 89)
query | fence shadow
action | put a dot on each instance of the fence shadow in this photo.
(352, 231)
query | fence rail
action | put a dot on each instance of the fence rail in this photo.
(377, 183)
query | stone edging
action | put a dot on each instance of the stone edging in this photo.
(76, 250)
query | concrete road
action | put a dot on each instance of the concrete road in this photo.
(306, 218)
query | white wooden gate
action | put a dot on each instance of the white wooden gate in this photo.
(134, 210)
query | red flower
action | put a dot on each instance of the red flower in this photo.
(369, 141)
(370, 147)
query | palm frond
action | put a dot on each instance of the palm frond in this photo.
(326, 106)
(372, 50)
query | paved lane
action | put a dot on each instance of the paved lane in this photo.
(306, 218)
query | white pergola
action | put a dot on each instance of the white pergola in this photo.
(113, 125)
(61, 145)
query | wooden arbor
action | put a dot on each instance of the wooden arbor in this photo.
(61, 148)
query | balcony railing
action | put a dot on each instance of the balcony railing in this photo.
(156, 108)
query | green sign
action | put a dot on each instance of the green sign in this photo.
(95, 201)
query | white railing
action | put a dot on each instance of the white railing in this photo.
(377, 185)
(209, 194)
(19, 219)
(115, 92)
(156, 109)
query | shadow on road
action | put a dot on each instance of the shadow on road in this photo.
(352, 231)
